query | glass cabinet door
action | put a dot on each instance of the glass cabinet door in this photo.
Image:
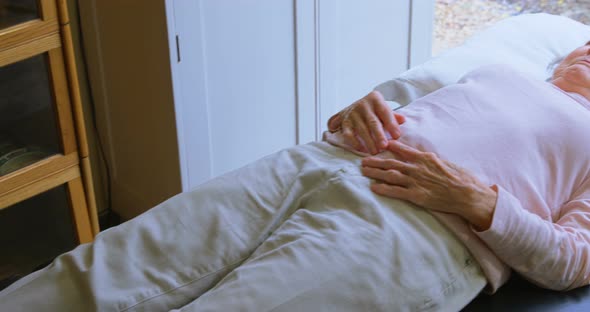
(43, 205)
(14, 12)
(29, 129)
(35, 231)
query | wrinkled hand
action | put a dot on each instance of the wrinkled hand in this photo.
(368, 119)
(425, 180)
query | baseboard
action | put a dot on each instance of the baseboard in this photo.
(107, 219)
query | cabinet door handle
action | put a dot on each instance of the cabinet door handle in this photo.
(177, 49)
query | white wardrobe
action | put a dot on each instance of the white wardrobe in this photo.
(187, 90)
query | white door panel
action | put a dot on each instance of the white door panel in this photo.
(189, 77)
(362, 43)
(234, 84)
(249, 48)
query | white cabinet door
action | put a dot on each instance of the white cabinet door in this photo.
(254, 76)
(364, 43)
(190, 90)
(235, 82)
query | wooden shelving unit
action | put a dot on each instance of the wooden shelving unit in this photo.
(41, 116)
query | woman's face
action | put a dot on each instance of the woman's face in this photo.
(573, 73)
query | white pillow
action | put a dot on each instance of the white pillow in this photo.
(531, 43)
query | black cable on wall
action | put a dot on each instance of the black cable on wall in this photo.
(91, 104)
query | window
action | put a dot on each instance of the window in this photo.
(457, 20)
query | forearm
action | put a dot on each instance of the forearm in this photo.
(551, 255)
(481, 212)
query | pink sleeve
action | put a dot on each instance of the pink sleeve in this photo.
(551, 255)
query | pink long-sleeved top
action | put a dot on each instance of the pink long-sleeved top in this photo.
(531, 140)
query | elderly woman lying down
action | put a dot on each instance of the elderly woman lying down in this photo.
(316, 227)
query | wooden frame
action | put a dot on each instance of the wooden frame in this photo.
(61, 98)
(52, 172)
(51, 35)
(68, 49)
(29, 31)
(62, 105)
(29, 49)
(23, 178)
(80, 210)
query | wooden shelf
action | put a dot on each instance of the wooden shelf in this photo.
(32, 30)
(37, 178)
(25, 50)
(26, 33)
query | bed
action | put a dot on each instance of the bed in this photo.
(204, 247)
(520, 295)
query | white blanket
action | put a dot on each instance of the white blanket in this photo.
(298, 230)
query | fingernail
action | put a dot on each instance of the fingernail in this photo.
(397, 134)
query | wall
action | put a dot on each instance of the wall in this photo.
(131, 86)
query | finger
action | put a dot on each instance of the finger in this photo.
(401, 119)
(363, 131)
(384, 164)
(452, 165)
(376, 128)
(392, 191)
(349, 135)
(389, 123)
(334, 122)
(406, 151)
(392, 177)
(363, 148)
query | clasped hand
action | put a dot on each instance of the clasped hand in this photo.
(416, 176)
(367, 119)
